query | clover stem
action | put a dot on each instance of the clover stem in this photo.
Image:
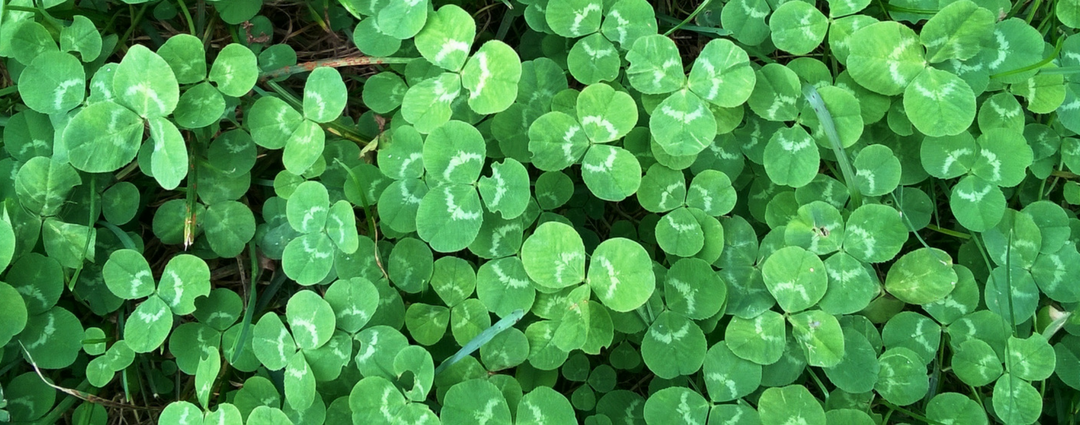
(249, 308)
(949, 232)
(827, 124)
(187, 16)
(821, 385)
(910, 413)
(122, 43)
(690, 17)
(358, 60)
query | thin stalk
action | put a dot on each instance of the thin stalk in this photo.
(358, 60)
(690, 17)
(910, 413)
(821, 385)
(187, 17)
(249, 308)
(949, 232)
(1031, 12)
(122, 43)
(9, 90)
(818, 104)
(89, 233)
(1008, 282)
(1034, 66)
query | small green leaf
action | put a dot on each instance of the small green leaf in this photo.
(1016, 401)
(127, 274)
(185, 55)
(325, 95)
(683, 124)
(148, 325)
(796, 277)
(554, 256)
(556, 141)
(676, 402)
(797, 27)
(53, 83)
(235, 70)
(957, 31)
(939, 103)
(722, 75)
(655, 65)
(447, 37)
(790, 404)
(902, 379)
(426, 105)
(574, 18)
(145, 83)
(449, 217)
(491, 76)
(791, 157)
(169, 157)
(977, 204)
(887, 57)
(185, 278)
(673, 346)
(103, 137)
(760, 339)
(308, 258)
(473, 400)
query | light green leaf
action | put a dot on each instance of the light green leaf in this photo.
(128, 275)
(507, 190)
(311, 319)
(957, 31)
(628, 20)
(447, 37)
(43, 185)
(53, 83)
(621, 274)
(185, 55)
(887, 57)
(760, 339)
(605, 114)
(791, 157)
(955, 408)
(939, 103)
(307, 208)
(722, 75)
(679, 233)
(902, 379)
(611, 173)
(325, 95)
(491, 76)
(655, 65)
(593, 59)
(145, 83)
(181, 413)
(449, 217)
(148, 325)
(1016, 401)
(199, 106)
(403, 19)
(103, 137)
(682, 124)
(185, 278)
(308, 258)
(877, 170)
(921, 276)
(796, 277)
(676, 405)
(574, 18)
(554, 256)
(790, 404)
(797, 27)
(949, 156)
(304, 147)
(818, 228)
(977, 204)
(556, 141)
(454, 153)
(273, 344)
(475, 400)
(692, 288)
(235, 70)
(1003, 157)
(673, 346)
(168, 160)
(427, 104)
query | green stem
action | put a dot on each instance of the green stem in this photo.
(9, 90)
(187, 16)
(821, 385)
(949, 232)
(332, 63)
(910, 413)
(690, 17)
(1034, 66)
(131, 28)
(818, 104)
(249, 309)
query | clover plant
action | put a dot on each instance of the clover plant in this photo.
(539, 211)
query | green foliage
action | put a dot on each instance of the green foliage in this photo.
(561, 211)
